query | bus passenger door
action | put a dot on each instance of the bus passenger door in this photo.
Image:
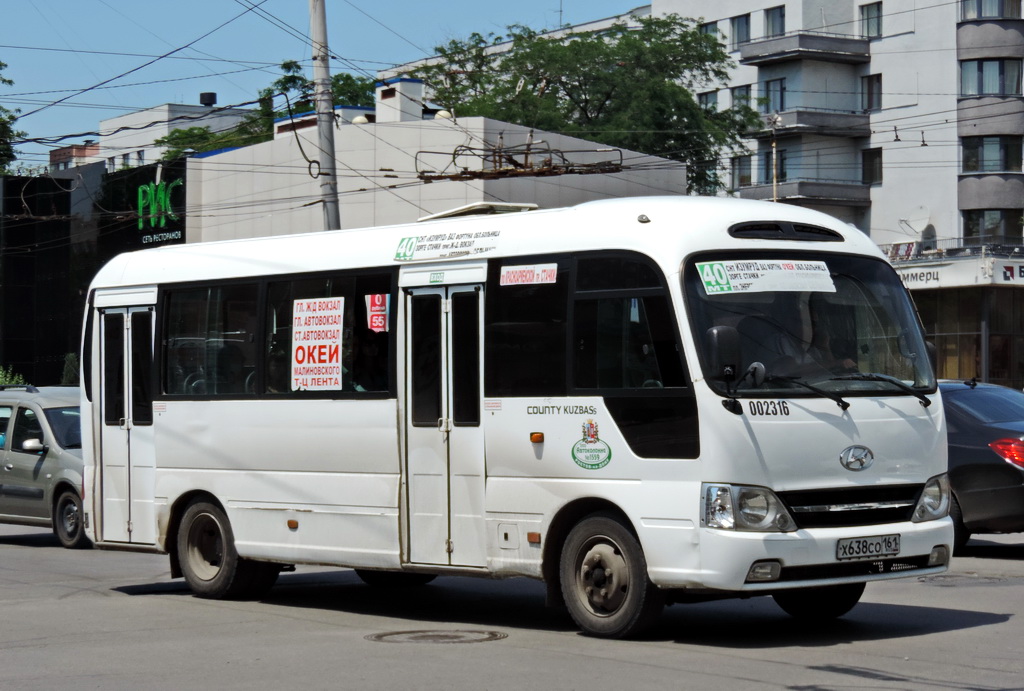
(445, 452)
(127, 463)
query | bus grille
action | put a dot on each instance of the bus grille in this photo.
(840, 508)
(847, 569)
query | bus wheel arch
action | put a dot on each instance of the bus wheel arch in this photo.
(561, 525)
(604, 579)
(206, 555)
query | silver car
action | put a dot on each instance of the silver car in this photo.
(41, 473)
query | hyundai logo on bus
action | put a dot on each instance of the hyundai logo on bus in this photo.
(857, 458)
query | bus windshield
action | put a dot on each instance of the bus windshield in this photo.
(841, 324)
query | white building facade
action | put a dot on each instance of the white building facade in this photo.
(905, 119)
(394, 166)
(128, 139)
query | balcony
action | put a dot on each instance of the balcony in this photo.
(821, 121)
(996, 190)
(813, 191)
(955, 248)
(806, 45)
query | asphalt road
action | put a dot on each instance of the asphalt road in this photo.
(111, 620)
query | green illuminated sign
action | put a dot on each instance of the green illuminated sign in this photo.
(155, 203)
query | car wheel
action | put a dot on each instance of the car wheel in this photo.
(960, 532)
(67, 521)
(604, 579)
(394, 579)
(819, 604)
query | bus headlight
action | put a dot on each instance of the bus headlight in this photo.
(934, 501)
(737, 507)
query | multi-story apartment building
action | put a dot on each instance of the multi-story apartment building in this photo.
(904, 118)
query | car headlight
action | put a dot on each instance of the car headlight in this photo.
(934, 501)
(738, 507)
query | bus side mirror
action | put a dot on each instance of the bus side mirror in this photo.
(723, 348)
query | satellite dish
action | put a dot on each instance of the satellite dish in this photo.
(918, 219)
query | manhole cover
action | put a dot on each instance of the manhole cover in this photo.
(440, 636)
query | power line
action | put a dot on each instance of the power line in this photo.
(136, 69)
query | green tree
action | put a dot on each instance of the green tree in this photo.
(7, 131)
(258, 126)
(629, 87)
(9, 377)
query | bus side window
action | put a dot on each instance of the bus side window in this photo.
(525, 330)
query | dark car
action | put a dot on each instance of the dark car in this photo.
(41, 471)
(986, 458)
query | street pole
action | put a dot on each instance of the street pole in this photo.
(324, 114)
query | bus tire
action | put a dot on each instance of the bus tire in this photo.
(961, 534)
(819, 604)
(67, 521)
(394, 579)
(604, 579)
(206, 550)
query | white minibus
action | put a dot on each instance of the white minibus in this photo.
(638, 401)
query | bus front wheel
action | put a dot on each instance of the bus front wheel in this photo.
(604, 579)
(209, 562)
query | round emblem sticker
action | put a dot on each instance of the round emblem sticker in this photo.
(590, 452)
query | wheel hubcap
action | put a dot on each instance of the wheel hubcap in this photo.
(205, 547)
(70, 518)
(603, 577)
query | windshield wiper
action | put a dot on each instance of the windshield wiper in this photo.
(810, 387)
(875, 376)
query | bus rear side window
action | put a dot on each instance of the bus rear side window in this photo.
(210, 340)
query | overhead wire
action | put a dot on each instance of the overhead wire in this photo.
(139, 67)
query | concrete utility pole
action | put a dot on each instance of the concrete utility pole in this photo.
(324, 114)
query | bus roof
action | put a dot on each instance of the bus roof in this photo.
(665, 228)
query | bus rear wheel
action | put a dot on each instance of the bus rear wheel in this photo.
(209, 562)
(819, 604)
(604, 579)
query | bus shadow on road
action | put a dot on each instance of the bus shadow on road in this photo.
(515, 603)
(39, 539)
(759, 623)
(520, 603)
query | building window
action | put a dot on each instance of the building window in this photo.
(740, 31)
(997, 77)
(774, 93)
(708, 28)
(112, 164)
(989, 9)
(140, 157)
(871, 20)
(741, 176)
(708, 100)
(774, 171)
(740, 95)
(775, 21)
(984, 226)
(871, 92)
(871, 166)
(992, 154)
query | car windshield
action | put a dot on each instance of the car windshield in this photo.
(66, 426)
(988, 405)
(818, 324)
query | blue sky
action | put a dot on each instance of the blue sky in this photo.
(54, 48)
